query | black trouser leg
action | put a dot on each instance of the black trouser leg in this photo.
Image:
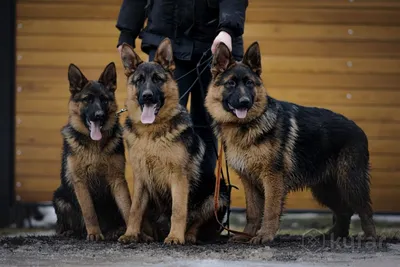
(201, 121)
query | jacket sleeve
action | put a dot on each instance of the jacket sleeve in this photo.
(130, 20)
(232, 16)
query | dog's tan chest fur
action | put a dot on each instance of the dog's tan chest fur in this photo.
(248, 160)
(152, 161)
(91, 163)
(247, 163)
(87, 165)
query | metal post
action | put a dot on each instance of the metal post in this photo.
(7, 108)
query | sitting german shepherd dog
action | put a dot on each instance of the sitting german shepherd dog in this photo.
(277, 147)
(93, 197)
(165, 154)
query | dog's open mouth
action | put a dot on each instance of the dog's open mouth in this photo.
(149, 112)
(241, 113)
(95, 130)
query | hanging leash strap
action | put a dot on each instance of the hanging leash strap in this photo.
(216, 196)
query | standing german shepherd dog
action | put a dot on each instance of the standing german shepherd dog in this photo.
(93, 197)
(277, 147)
(166, 154)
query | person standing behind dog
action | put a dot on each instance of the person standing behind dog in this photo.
(193, 26)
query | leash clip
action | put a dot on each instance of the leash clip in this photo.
(120, 111)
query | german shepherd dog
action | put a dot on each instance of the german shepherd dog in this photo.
(165, 154)
(93, 197)
(277, 147)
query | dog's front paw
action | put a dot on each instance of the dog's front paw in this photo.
(173, 240)
(129, 238)
(262, 238)
(95, 236)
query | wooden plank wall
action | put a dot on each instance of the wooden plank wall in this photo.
(342, 55)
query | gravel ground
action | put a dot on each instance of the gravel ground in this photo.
(286, 250)
(295, 245)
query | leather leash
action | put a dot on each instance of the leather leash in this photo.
(216, 195)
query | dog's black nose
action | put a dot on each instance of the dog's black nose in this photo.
(99, 115)
(147, 95)
(244, 101)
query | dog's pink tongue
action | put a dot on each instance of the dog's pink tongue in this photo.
(241, 113)
(95, 133)
(148, 115)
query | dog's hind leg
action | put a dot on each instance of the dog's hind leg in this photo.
(357, 194)
(367, 223)
(354, 184)
(329, 195)
(193, 229)
(69, 218)
(202, 224)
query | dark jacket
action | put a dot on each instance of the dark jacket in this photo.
(191, 25)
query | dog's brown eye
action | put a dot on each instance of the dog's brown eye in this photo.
(87, 99)
(249, 83)
(157, 79)
(139, 80)
(231, 83)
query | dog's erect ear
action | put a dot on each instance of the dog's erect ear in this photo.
(109, 77)
(252, 58)
(130, 59)
(222, 59)
(76, 79)
(165, 56)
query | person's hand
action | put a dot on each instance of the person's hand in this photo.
(222, 37)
